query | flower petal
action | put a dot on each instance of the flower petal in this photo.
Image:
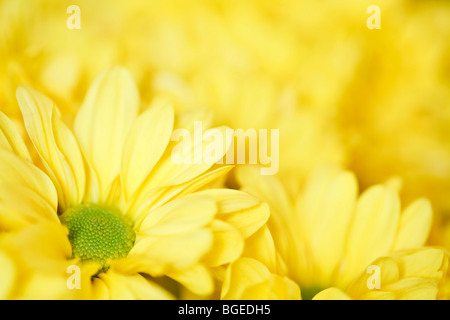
(7, 276)
(155, 255)
(331, 294)
(241, 274)
(10, 138)
(145, 144)
(27, 193)
(55, 144)
(196, 279)
(132, 287)
(373, 229)
(228, 244)
(109, 109)
(245, 212)
(168, 172)
(415, 225)
(179, 216)
(324, 214)
(275, 288)
(260, 246)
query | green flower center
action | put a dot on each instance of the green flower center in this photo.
(98, 233)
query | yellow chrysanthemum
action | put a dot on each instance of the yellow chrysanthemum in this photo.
(415, 274)
(128, 209)
(328, 235)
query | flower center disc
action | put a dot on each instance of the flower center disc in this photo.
(98, 233)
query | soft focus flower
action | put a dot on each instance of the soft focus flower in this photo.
(406, 275)
(374, 102)
(328, 234)
(127, 207)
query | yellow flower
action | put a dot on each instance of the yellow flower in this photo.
(406, 275)
(327, 235)
(127, 208)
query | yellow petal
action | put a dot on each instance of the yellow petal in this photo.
(386, 268)
(260, 246)
(268, 188)
(154, 255)
(408, 274)
(379, 295)
(197, 279)
(155, 198)
(415, 225)
(55, 287)
(275, 288)
(43, 246)
(109, 109)
(228, 244)
(288, 240)
(324, 214)
(55, 144)
(132, 287)
(245, 212)
(27, 192)
(20, 206)
(168, 172)
(91, 287)
(373, 229)
(414, 289)
(179, 216)
(424, 262)
(331, 294)
(145, 144)
(7, 275)
(242, 274)
(11, 139)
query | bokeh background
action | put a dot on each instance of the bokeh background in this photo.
(373, 101)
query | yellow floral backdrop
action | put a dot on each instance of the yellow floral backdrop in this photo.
(364, 147)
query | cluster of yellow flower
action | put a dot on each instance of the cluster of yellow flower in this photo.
(92, 205)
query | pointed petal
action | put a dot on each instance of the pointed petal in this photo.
(27, 193)
(373, 230)
(168, 172)
(196, 279)
(10, 138)
(132, 287)
(109, 109)
(179, 216)
(55, 144)
(260, 246)
(324, 214)
(331, 294)
(415, 225)
(145, 144)
(245, 212)
(7, 276)
(228, 244)
(155, 255)
(242, 274)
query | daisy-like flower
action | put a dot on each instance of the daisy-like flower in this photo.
(415, 274)
(130, 213)
(328, 235)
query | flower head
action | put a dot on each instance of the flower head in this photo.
(328, 235)
(122, 206)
